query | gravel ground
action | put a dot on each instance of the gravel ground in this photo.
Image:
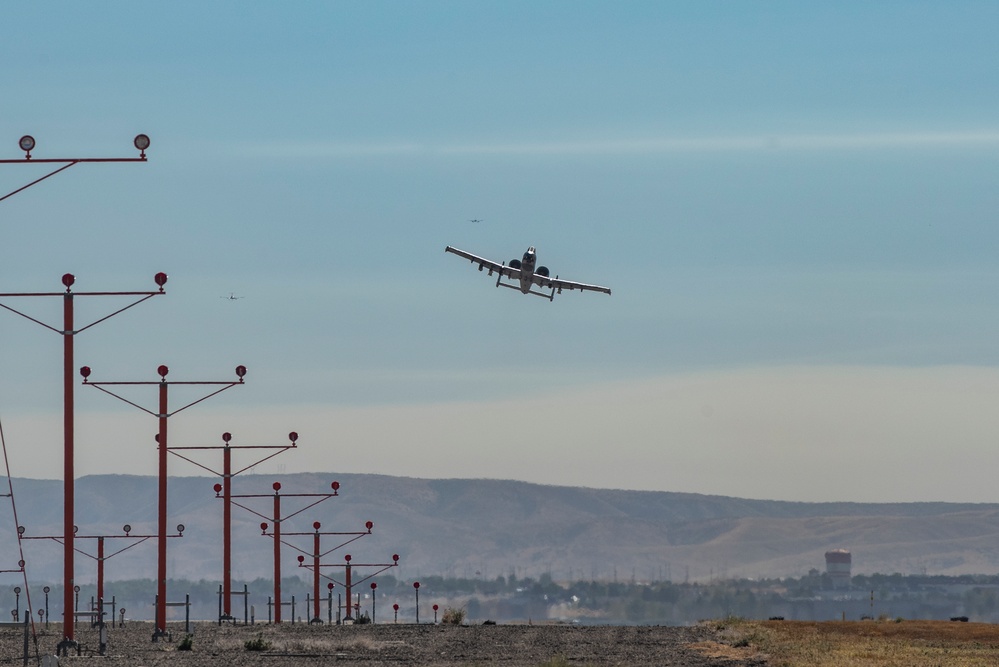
(390, 644)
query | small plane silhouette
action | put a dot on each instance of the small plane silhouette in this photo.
(475, 220)
(232, 296)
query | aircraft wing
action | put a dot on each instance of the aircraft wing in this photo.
(558, 284)
(502, 269)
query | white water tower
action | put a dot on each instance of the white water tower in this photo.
(838, 567)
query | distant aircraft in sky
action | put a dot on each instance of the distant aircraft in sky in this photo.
(524, 271)
(231, 297)
(475, 220)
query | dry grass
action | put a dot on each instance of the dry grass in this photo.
(326, 646)
(278, 642)
(882, 643)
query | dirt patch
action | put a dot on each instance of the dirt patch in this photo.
(881, 643)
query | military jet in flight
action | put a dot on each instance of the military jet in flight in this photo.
(526, 274)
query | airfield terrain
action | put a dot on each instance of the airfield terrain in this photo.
(390, 644)
(886, 642)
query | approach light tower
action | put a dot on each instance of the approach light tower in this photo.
(348, 583)
(224, 491)
(276, 519)
(27, 144)
(100, 557)
(162, 414)
(318, 553)
(68, 333)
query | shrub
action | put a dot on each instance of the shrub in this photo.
(186, 643)
(258, 644)
(728, 622)
(453, 616)
(362, 618)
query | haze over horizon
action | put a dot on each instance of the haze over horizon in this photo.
(793, 204)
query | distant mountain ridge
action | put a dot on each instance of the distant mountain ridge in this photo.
(486, 528)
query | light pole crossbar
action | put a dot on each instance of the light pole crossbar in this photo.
(72, 293)
(140, 538)
(70, 160)
(145, 295)
(281, 449)
(359, 535)
(384, 566)
(100, 385)
(325, 496)
(27, 144)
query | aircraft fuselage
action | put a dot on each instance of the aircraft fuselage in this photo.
(527, 270)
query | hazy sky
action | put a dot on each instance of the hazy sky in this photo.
(794, 204)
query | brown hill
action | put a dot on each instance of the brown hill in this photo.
(488, 528)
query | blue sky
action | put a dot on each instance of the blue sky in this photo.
(796, 196)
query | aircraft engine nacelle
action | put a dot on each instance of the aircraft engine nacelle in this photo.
(514, 263)
(543, 271)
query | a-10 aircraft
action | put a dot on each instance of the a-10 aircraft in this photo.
(526, 274)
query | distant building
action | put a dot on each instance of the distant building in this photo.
(838, 567)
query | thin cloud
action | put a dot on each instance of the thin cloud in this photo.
(641, 146)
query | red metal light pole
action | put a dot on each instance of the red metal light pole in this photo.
(227, 526)
(329, 586)
(276, 519)
(101, 557)
(162, 414)
(225, 488)
(416, 587)
(317, 553)
(68, 332)
(315, 574)
(277, 552)
(27, 144)
(348, 582)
